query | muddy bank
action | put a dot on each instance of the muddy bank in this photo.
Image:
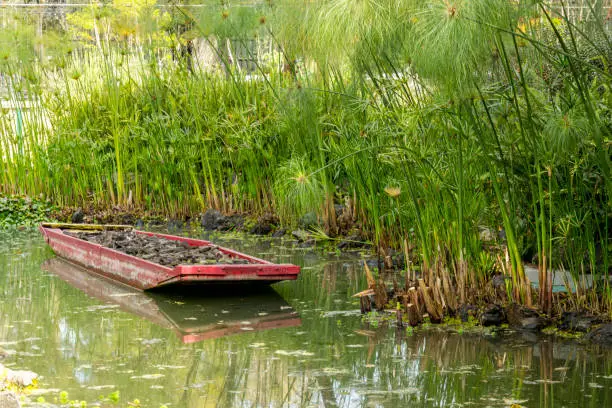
(159, 250)
(349, 236)
(421, 310)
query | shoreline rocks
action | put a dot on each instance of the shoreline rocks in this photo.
(467, 312)
(264, 225)
(78, 216)
(303, 238)
(354, 241)
(493, 315)
(580, 321)
(524, 318)
(267, 224)
(213, 220)
(601, 336)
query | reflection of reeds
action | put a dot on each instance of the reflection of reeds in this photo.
(426, 368)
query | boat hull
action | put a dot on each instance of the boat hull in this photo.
(145, 275)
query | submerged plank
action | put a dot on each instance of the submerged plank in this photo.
(86, 227)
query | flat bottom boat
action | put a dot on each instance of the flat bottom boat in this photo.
(69, 241)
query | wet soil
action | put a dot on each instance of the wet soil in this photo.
(159, 250)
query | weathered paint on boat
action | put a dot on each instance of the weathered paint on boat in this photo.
(144, 275)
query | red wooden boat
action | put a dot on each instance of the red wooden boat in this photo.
(144, 275)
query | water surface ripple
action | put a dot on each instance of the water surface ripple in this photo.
(301, 344)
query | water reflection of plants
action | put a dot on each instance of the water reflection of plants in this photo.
(90, 349)
(456, 130)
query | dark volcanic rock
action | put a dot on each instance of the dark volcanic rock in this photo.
(279, 233)
(499, 281)
(261, 229)
(303, 238)
(156, 222)
(301, 235)
(212, 219)
(128, 219)
(265, 225)
(578, 321)
(232, 223)
(466, 311)
(353, 241)
(524, 318)
(307, 244)
(493, 316)
(602, 335)
(533, 324)
(308, 220)
(77, 217)
(339, 209)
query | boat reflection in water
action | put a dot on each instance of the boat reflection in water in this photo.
(193, 316)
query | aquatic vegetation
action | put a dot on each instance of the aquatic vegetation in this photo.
(473, 136)
(23, 211)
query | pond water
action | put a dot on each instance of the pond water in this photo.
(301, 344)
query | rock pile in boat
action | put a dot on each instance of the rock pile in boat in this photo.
(159, 250)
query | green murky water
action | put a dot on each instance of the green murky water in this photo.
(302, 344)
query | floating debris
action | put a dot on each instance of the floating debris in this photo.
(257, 345)
(149, 342)
(402, 391)
(101, 308)
(101, 387)
(341, 313)
(331, 371)
(300, 353)
(147, 377)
